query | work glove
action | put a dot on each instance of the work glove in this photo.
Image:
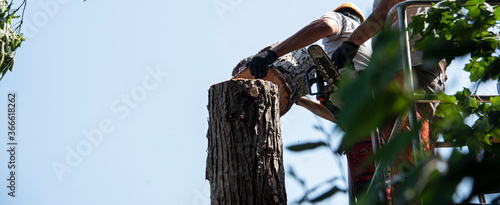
(260, 63)
(344, 54)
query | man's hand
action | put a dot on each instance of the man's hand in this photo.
(260, 63)
(344, 54)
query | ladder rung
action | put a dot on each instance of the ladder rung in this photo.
(446, 145)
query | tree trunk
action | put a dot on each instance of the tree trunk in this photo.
(288, 72)
(245, 154)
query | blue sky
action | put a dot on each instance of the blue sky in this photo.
(123, 84)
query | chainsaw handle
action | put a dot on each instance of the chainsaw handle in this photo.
(320, 82)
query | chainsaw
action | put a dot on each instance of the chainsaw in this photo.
(323, 69)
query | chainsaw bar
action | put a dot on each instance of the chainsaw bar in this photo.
(324, 65)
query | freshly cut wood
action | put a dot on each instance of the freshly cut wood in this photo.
(288, 72)
(245, 153)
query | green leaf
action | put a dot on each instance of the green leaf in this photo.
(417, 25)
(495, 133)
(443, 109)
(474, 11)
(495, 102)
(493, 118)
(497, 12)
(3, 6)
(482, 124)
(10, 39)
(306, 146)
(447, 99)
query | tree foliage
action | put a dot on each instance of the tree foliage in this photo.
(449, 29)
(455, 29)
(10, 36)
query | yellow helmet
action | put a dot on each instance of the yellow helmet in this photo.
(354, 8)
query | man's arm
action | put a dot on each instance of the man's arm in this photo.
(344, 54)
(316, 108)
(309, 34)
(373, 24)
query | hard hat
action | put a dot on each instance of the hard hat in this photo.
(352, 6)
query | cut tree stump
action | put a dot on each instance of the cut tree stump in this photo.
(245, 154)
(288, 72)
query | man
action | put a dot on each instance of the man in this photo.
(333, 28)
(430, 78)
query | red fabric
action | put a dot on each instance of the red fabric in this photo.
(407, 156)
(424, 136)
(356, 156)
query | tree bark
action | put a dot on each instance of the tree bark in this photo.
(288, 72)
(245, 154)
